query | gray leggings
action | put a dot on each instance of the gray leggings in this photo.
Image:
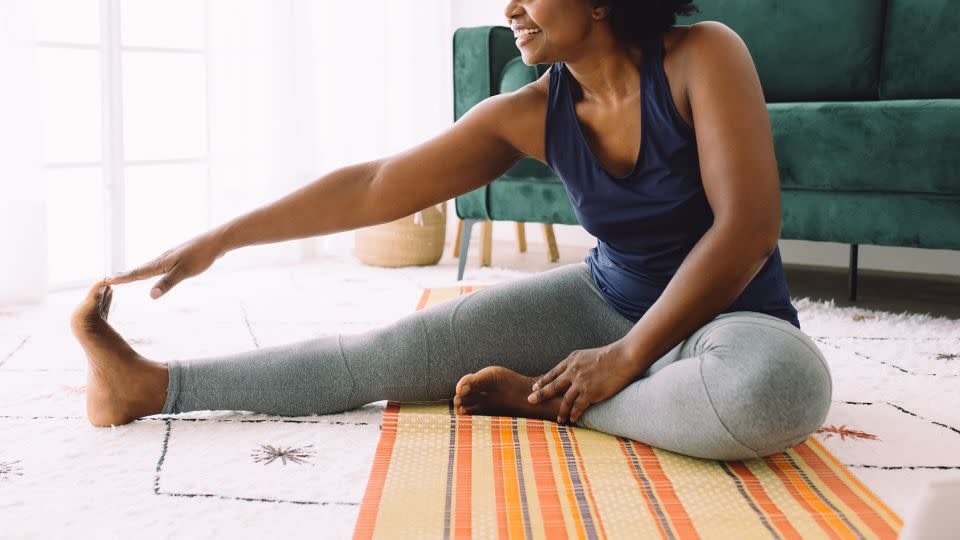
(744, 385)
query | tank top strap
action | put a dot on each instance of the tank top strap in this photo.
(652, 69)
(660, 99)
(652, 51)
(562, 129)
(558, 134)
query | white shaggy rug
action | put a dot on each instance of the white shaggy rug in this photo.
(895, 420)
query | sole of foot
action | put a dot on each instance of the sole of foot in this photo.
(498, 391)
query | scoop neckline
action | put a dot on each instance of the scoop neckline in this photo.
(644, 74)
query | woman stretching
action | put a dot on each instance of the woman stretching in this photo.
(677, 330)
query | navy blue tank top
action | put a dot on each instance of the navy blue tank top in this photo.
(647, 221)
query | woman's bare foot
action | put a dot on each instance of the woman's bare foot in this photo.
(498, 391)
(121, 385)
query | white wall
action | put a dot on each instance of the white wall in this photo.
(485, 12)
(478, 12)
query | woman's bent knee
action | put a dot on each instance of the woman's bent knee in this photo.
(769, 385)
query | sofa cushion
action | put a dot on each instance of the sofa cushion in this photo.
(531, 199)
(473, 204)
(894, 146)
(516, 74)
(921, 50)
(809, 50)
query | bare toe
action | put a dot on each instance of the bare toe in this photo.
(463, 385)
(88, 311)
(106, 297)
(473, 409)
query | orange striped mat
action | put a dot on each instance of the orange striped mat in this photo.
(437, 474)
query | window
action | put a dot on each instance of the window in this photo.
(124, 94)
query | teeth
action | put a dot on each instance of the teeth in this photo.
(525, 31)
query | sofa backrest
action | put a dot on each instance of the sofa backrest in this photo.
(921, 56)
(807, 50)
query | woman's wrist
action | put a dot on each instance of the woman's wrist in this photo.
(627, 358)
(223, 238)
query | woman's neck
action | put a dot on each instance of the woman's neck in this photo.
(607, 74)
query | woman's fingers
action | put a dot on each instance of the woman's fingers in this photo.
(579, 406)
(160, 288)
(539, 389)
(143, 271)
(551, 375)
(567, 403)
(547, 391)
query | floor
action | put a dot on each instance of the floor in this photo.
(895, 419)
(233, 474)
(896, 292)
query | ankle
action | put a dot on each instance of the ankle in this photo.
(155, 391)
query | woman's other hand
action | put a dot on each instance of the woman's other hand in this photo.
(186, 260)
(583, 378)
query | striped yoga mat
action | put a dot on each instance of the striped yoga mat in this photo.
(437, 474)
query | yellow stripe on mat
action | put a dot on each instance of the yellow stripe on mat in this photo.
(437, 474)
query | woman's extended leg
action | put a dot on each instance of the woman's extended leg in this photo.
(744, 385)
(527, 325)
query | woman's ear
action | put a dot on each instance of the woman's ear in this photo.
(600, 12)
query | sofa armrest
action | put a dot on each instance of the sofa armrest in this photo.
(479, 56)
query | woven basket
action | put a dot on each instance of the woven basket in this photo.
(416, 240)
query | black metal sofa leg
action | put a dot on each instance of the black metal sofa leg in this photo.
(853, 272)
(465, 244)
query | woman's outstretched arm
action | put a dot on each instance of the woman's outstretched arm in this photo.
(472, 152)
(482, 145)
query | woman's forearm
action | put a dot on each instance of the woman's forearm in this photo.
(338, 201)
(713, 274)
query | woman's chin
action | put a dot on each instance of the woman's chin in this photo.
(530, 58)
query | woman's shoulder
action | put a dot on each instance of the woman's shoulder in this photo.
(522, 115)
(686, 48)
(683, 40)
(705, 41)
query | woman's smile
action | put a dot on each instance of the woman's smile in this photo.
(525, 35)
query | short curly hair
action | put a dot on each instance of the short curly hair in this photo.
(633, 21)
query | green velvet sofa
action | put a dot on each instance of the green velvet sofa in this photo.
(864, 103)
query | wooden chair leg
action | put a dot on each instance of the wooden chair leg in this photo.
(486, 242)
(456, 242)
(521, 237)
(552, 252)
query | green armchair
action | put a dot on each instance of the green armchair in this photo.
(864, 103)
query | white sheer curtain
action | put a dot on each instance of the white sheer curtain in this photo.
(300, 87)
(291, 89)
(23, 247)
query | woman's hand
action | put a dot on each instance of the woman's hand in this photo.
(177, 264)
(583, 378)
